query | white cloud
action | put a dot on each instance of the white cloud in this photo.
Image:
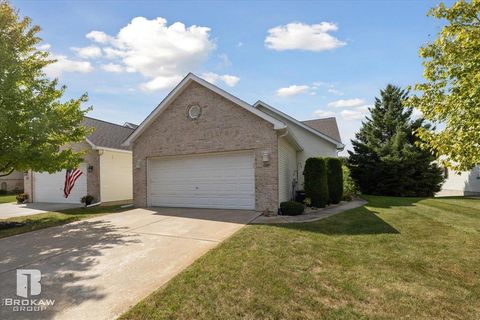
(160, 83)
(323, 114)
(64, 64)
(292, 90)
(358, 113)
(111, 53)
(44, 47)
(161, 53)
(300, 36)
(352, 115)
(224, 61)
(335, 91)
(99, 36)
(88, 52)
(113, 67)
(416, 114)
(364, 108)
(229, 80)
(346, 103)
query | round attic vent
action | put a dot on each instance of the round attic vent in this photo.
(194, 112)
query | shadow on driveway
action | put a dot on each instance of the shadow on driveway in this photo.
(98, 268)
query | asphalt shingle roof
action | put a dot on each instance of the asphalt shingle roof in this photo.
(327, 126)
(107, 134)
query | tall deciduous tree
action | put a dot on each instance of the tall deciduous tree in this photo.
(451, 95)
(34, 123)
(386, 159)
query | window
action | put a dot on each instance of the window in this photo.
(4, 186)
(445, 172)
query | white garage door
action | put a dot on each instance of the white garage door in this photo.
(210, 181)
(49, 187)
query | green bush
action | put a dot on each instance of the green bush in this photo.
(316, 185)
(334, 179)
(291, 208)
(87, 200)
(22, 197)
(349, 187)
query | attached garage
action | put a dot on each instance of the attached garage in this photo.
(205, 148)
(219, 180)
(106, 169)
(49, 187)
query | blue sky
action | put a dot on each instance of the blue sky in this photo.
(309, 59)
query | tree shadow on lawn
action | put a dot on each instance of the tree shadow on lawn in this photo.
(359, 221)
(390, 202)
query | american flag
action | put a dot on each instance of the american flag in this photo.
(70, 177)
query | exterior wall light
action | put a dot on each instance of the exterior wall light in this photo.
(265, 157)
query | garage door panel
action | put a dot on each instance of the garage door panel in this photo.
(213, 181)
(49, 187)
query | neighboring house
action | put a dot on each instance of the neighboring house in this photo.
(204, 148)
(12, 183)
(466, 183)
(107, 169)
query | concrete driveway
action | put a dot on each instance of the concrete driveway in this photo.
(10, 210)
(98, 268)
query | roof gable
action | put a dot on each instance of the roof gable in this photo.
(327, 126)
(106, 134)
(180, 88)
(304, 126)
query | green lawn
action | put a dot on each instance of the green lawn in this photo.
(7, 198)
(50, 219)
(394, 258)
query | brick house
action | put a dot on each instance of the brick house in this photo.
(205, 148)
(12, 183)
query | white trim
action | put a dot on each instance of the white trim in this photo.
(112, 149)
(304, 126)
(95, 147)
(180, 88)
(290, 137)
(91, 143)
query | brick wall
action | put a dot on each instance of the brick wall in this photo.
(222, 126)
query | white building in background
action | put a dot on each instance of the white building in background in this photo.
(465, 183)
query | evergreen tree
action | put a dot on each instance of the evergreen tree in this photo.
(386, 159)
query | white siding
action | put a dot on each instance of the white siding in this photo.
(287, 166)
(115, 176)
(313, 145)
(465, 183)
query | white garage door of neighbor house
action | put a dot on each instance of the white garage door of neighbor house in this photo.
(225, 181)
(49, 187)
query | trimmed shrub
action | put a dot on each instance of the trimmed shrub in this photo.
(291, 208)
(22, 198)
(334, 179)
(350, 190)
(87, 200)
(316, 185)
